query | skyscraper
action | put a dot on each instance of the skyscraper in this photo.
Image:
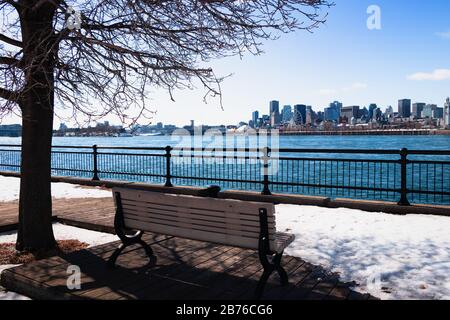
(333, 112)
(286, 114)
(417, 109)
(274, 113)
(372, 107)
(350, 112)
(274, 107)
(255, 117)
(429, 111)
(404, 108)
(299, 114)
(447, 113)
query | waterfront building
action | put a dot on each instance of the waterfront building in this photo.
(372, 107)
(286, 114)
(429, 111)
(274, 113)
(310, 116)
(438, 113)
(299, 114)
(389, 112)
(350, 112)
(447, 113)
(255, 117)
(404, 108)
(333, 112)
(417, 109)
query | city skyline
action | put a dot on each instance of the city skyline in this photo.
(342, 60)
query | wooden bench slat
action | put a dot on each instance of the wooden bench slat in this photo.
(227, 218)
(189, 220)
(195, 202)
(215, 237)
(148, 225)
(142, 206)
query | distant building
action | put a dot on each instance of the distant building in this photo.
(255, 117)
(63, 127)
(12, 130)
(417, 109)
(438, 113)
(299, 116)
(286, 114)
(429, 111)
(389, 113)
(275, 117)
(404, 108)
(333, 112)
(350, 112)
(274, 107)
(447, 113)
(372, 107)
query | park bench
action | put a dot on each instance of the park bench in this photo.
(236, 223)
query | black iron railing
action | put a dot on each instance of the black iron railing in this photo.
(404, 176)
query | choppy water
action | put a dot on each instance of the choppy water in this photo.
(307, 173)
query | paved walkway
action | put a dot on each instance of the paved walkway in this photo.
(184, 269)
(93, 213)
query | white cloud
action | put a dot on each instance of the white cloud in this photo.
(357, 86)
(444, 35)
(436, 75)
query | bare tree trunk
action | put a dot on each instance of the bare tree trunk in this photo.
(35, 207)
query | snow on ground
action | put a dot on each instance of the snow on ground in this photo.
(10, 188)
(388, 256)
(62, 232)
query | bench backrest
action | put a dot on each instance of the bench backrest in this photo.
(229, 222)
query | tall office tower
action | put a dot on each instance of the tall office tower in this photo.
(333, 112)
(417, 109)
(350, 112)
(404, 108)
(389, 112)
(274, 113)
(337, 105)
(429, 111)
(286, 114)
(274, 107)
(311, 116)
(299, 114)
(372, 107)
(447, 113)
(255, 117)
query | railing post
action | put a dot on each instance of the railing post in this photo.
(404, 175)
(168, 176)
(94, 154)
(266, 190)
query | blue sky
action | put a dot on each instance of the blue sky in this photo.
(342, 60)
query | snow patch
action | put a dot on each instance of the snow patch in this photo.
(388, 256)
(10, 190)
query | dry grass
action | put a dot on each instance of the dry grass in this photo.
(9, 254)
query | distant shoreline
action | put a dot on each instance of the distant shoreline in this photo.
(369, 133)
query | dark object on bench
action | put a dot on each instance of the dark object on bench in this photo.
(237, 223)
(210, 192)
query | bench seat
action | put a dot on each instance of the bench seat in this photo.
(245, 224)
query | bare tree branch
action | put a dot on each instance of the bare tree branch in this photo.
(10, 41)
